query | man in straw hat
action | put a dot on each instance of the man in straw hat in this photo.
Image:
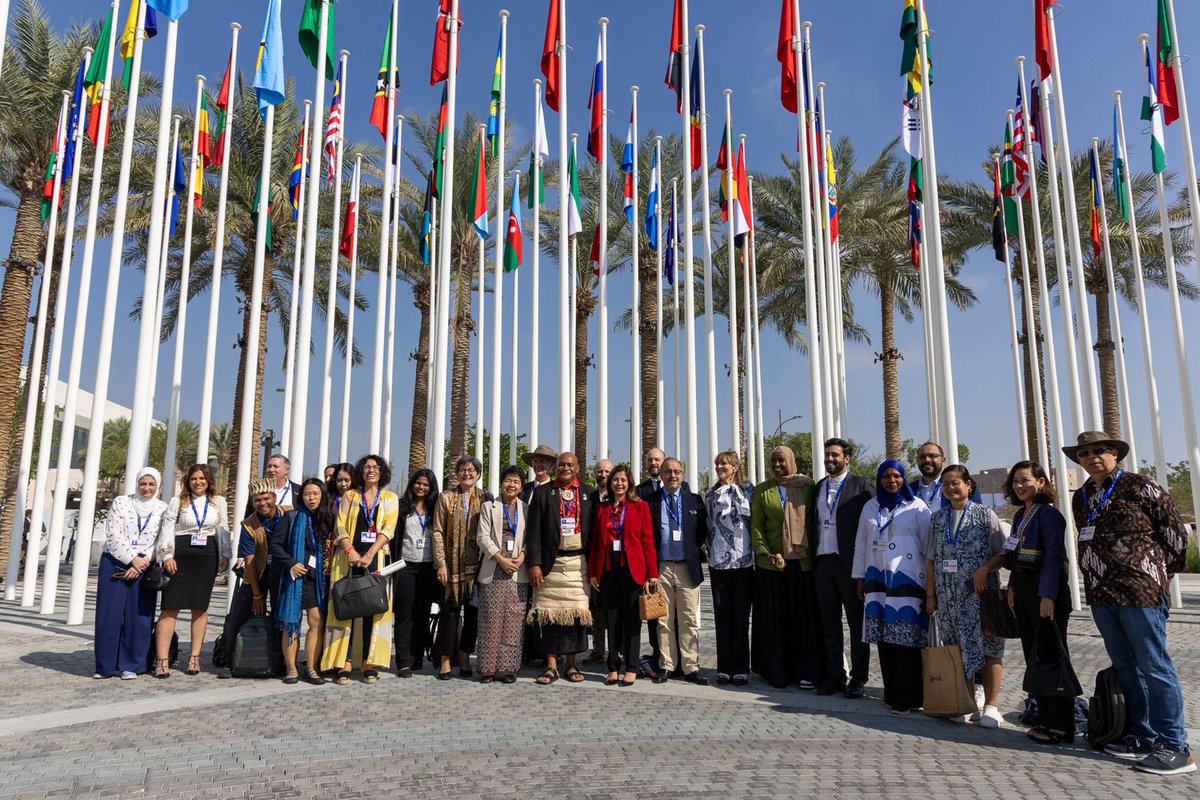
(253, 564)
(541, 460)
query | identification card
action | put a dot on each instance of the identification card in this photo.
(199, 539)
(368, 537)
(677, 535)
(616, 545)
(879, 544)
(950, 565)
(420, 542)
(829, 523)
(1012, 543)
(568, 527)
(1087, 534)
(312, 562)
(512, 544)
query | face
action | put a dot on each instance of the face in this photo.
(779, 465)
(836, 459)
(542, 467)
(198, 483)
(930, 461)
(420, 487)
(1098, 459)
(955, 488)
(724, 470)
(891, 480)
(1025, 486)
(371, 472)
(343, 482)
(147, 486)
(328, 474)
(654, 460)
(264, 504)
(604, 468)
(311, 495)
(671, 473)
(510, 487)
(620, 483)
(277, 469)
(467, 475)
(568, 468)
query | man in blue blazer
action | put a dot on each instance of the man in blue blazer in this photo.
(931, 460)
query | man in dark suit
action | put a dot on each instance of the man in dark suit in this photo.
(840, 498)
(287, 491)
(931, 460)
(654, 460)
(678, 520)
(602, 470)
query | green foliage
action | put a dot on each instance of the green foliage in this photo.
(1193, 555)
(505, 447)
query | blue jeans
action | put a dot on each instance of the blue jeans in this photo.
(1136, 641)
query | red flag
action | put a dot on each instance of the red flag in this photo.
(594, 256)
(1168, 92)
(1041, 37)
(674, 76)
(550, 56)
(350, 221)
(787, 58)
(218, 149)
(439, 69)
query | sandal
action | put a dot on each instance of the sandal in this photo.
(627, 681)
(1044, 735)
(292, 677)
(162, 668)
(548, 677)
(573, 674)
(610, 679)
(193, 667)
(342, 678)
(486, 678)
(370, 675)
(510, 678)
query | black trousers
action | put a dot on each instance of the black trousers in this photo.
(836, 591)
(1057, 713)
(458, 628)
(618, 600)
(414, 589)
(903, 687)
(807, 635)
(733, 599)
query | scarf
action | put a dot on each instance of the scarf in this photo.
(461, 546)
(889, 500)
(146, 506)
(291, 595)
(795, 510)
(731, 501)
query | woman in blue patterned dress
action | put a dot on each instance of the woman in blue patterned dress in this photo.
(731, 567)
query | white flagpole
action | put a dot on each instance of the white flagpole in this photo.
(828, 319)
(502, 226)
(1185, 129)
(381, 303)
(748, 350)
(431, 368)
(573, 333)
(139, 423)
(673, 244)
(159, 308)
(515, 383)
(1083, 326)
(710, 339)
(438, 449)
(1061, 468)
(536, 242)
(91, 470)
(602, 319)
(289, 370)
(1018, 385)
(480, 316)
(214, 299)
(692, 451)
(760, 444)
(4, 29)
(565, 352)
(1154, 412)
(334, 272)
(815, 377)
(735, 401)
(661, 442)
(344, 448)
(393, 272)
(181, 314)
(814, 197)
(635, 411)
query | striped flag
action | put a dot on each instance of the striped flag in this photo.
(627, 168)
(48, 178)
(350, 221)
(674, 76)
(129, 37)
(1120, 177)
(379, 112)
(1152, 112)
(479, 209)
(574, 223)
(493, 121)
(1097, 204)
(671, 242)
(1008, 179)
(333, 130)
(178, 189)
(218, 149)
(595, 142)
(73, 122)
(513, 238)
(427, 221)
(1168, 92)
(203, 149)
(652, 200)
(594, 253)
(742, 223)
(297, 176)
(694, 107)
(1020, 161)
(541, 149)
(999, 234)
(833, 196)
(94, 82)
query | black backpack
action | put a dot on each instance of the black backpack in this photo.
(257, 650)
(1107, 721)
(172, 651)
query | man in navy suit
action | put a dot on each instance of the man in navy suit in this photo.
(287, 491)
(678, 520)
(931, 460)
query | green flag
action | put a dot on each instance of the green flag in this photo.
(1008, 177)
(254, 213)
(310, 35)
(541, 182)
(1120, 177)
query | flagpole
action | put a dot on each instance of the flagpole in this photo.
(748, 348)
(344, 449)
(753, 323)
(1033, 346)
(565, 354)
(735, 425)
(635, 411)
(1022, 430)
(602, 326)
(661, 441)
(438, 449)
(827, 318)
(4, 38)
(673, 244)
(498, 276)
(161, 289)
(480, 317)
(289, 371)
(535, 308)
(710, 339)
(431, 368)
(1061, 468)
(1185, 128)
(515, 342)
(1154, 412)
(689, 290)
(815, 378)
(334, 271)
(814, 198)
(87, 509)
(393, 272)
(214, 299)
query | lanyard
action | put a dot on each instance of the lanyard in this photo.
(513, 520)
(423, 520)
(883, 526)
(782, 496)
(676, 517)
(369, 510)
(568, 509)
(199, 519)
(1093, 511)
(1026, 518)
(287, 489)
(935, 487)
(962, 517)
(465, 499)
(831, 507)
(618, 522)
(142, 525)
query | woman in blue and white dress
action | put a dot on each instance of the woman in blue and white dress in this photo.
(730, 567)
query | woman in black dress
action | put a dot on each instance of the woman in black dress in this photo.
(298, 550)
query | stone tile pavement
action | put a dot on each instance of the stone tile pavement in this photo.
(63, 734)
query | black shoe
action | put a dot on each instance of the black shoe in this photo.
(740, 679)
(445, 676)
(1131, 747)
(854, 691)
(404, 672)
(313, 677)
(291, 680)
(1164, 761)
(697, 678)
(831, 687)
(722, 679)
(659, 678)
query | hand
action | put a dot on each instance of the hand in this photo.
(930, 603)
(258, 605)
(979, 576)
(1046, 608)
(140, 563)
(859, 590)
(1012, 598)
(131, 574)
(595, 582)
(298, 570)
(777, 561)
(443, 575)
(170, 566)
(223, 565)
(535, 577)
(239, 564)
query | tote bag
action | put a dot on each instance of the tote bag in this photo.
(946, 691)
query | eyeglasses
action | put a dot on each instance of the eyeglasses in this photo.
(1094, 451)
(371, 467)
(672, 472)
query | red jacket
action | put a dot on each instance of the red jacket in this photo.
(637, 542)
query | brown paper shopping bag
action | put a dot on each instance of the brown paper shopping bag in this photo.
(947, 693)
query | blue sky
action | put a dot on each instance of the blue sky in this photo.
(856, 51)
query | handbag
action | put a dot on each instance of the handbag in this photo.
(652, 603)
(947, 693)
(357, 596)
(1048, 670)
(999, 621)
(156, 577)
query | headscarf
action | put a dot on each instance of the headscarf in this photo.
(795, 524)
(141, 505)
(890, 500)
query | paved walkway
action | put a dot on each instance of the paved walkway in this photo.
(66, 735)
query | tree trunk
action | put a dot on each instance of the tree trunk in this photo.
(416, 436)
(1106, 351)
(585, 305)
(235, 437)
(647, 310)
(460, 383)
(891, 377)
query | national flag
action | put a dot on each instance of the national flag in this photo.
(439, 147)
(129, 37)
(1036, 124)
(1097, 203)
(73, 117)
(910, 60)
(297, 176)
(479, 208)
(350, 221)
(541, 149)
(178, 189)
(627, 168)
(218, 149)
(172, 8)
(999, 235)
(742, 223)
(915, 198)
(1020, 161)
(1008, 179)
(786, 56)
(310, 34)
(831, 172)
(203, 148)
(333, 130)
(513, 238)
(439, 67)
(1120, 177)
(1152, 112)
(594, 253)
(694, 106)
(1168, 92)
(670, 242)
(1041, 39)
(574, 222)
(48, 180)
(427, 221)
(910, 126)
(595, 141)
(674, 76)
(379, 110)
(269, 77)
(493, 122)
(550, 55)
(97, 73)
(652, 200)
(726, 162)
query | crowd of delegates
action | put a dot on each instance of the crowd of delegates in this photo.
(524, 577)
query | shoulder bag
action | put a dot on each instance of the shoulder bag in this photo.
(357, 596)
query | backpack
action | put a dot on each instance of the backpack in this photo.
(220, 653)
(257, 650)
(1107, 721)
(172, 651)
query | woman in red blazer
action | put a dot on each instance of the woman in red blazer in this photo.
(620, 560)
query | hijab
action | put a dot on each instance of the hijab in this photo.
(795, 524)
(890, 500)
(141, 505)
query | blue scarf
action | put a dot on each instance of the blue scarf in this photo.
(889, 500)
(287, 617)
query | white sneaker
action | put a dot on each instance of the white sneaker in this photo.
(979, 703)
(127, 675)
(990, 718)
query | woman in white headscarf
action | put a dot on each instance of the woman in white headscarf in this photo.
(124, 601)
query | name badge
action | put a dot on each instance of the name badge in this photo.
(829, 523)
(138, 545)
(950, 565)
(616, 545)
(512, 544)
(268, 559)
(1087, 534)
(568, 527)
(879, 544)
(368, 537)
(1012, 543)
(677, 535)
(199, 539)
(420, 542)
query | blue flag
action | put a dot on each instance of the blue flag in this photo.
(73, 123)
(652, 200)
(178, 189)
(172, 8)
(269, 77)
(670, 242)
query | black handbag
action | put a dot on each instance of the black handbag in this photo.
(1048, 670)
(156, 577)
(360, 596)
(997, 616)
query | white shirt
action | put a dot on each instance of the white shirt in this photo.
(283, 495)
(827, 501)
(930, 492)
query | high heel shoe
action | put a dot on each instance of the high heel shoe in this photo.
(162, 668)
(193, 667)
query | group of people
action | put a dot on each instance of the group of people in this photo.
(552, 571)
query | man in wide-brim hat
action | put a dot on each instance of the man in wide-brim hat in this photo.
(541, 459)
(1091, 440)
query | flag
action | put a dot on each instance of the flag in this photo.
(787, 58)
(479, 209)
(203, 148)
(218, 150)
(910, 126)
(379, 111)
(742, 223)
(1008, 179)
(310, 34)
(550, 55)
(594, 253)
(1041, 39)
(999, 235)
(1035, 118)
(1120, 176)
(674, 76)
(129, 37)
(574, 223)
(97, 73)
(542, 149)
(439, 67)
(493, 122)
(172, 8)
(627, 168)
(178, 189)
(350, 221)
(73, 122)
(831, 172)
(513, 238)
(1020, 161)
(1168, 92)
(595, 141)
(910, 60)
(426, 221)
(1097, 203)
(726, 163)
(694, 106)
(297, 176)
(1152, 112)
(269, 80)
(652, 200)
(334, 129)
(48, 180)
(439, 147)
(915, 197)
(671, 243)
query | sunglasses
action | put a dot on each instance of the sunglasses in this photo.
(1094, 451)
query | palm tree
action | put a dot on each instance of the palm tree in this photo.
(220, 450)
